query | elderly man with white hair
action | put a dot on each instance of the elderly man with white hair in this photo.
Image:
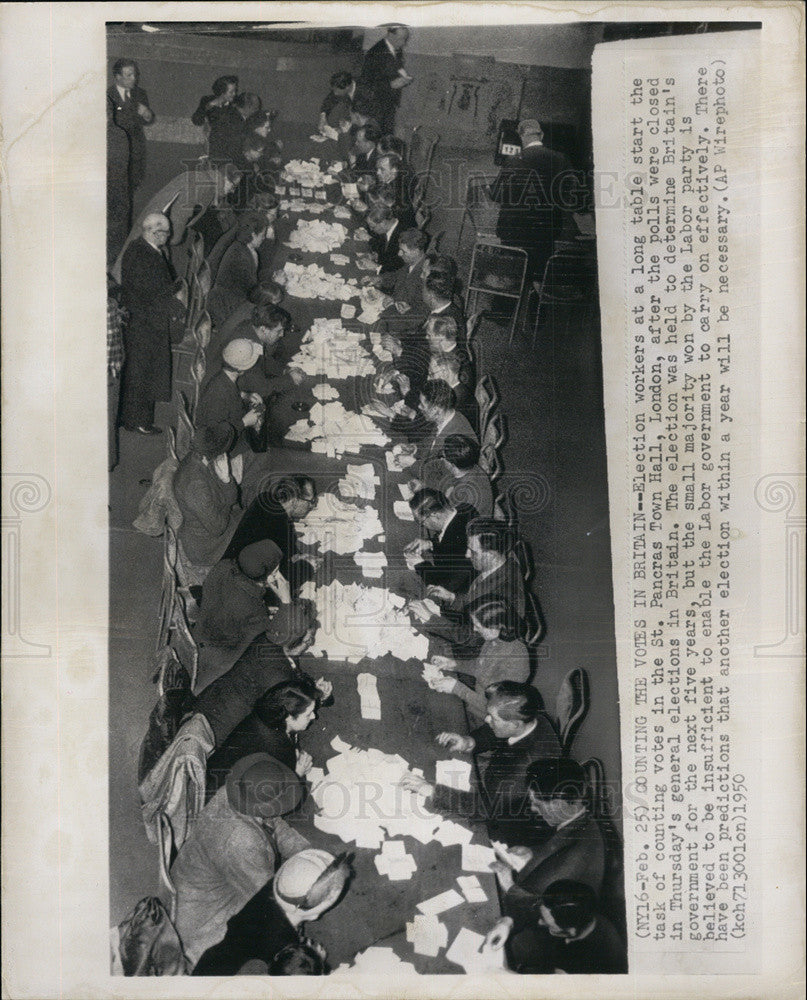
(148, 285)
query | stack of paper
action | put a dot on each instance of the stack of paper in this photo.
(368, 696)
(454, 773)
(440, 903)
(318, 237)
(426, 935)
(357, 621)
(361, 235)
(372, 564)
(310, 281)
(394, 862)
(477, 857)
(377, 962)
(451, 833)
(360, 482)
(306, 173)
(337, 526)
(513, 860)
(373, 304)
(472, 889)
(398, 459)
(339, 258)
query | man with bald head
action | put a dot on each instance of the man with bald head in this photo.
(148, 293)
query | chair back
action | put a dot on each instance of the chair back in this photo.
(536, 629)
(196, 254)
(198, 368)
(205, 279)
(490, 463)
(202, 329)
(493, 436)
(184, 427)
(487, 398)
(182, 641)
(571, 707)
(168, 594)
(569, 276)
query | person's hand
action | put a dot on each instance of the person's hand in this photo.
(445, 685)
(402, 307)
(456, 743)
(444, 662)
(370, 279)
(314, 561)
(414, 783)
(415, 484)
(498, 934)
(345, 126)
(221, 467)
(254, 399)
(304, 763)
(503, 873)
(144, 111)
(251, 419)
(439, 593)
(324, 687)
(420, 611)
(296, 375)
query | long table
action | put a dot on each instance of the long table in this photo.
(374, 910)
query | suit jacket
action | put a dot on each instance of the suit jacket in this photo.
(575, 851)
(458, 424)
(127, 118)
(233, 609)
(448, 567)
(148, 290)
(531, 213)
(534, 951)
(406, 286)
(264, 518)
(237, 274)
(379, 69)
(501, 799)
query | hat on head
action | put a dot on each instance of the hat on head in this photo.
(260, 786)
(214, 440)
(557, 778)
(259, 559)
(529, 125)
(290, 622)
(241, 354)
(310, 877)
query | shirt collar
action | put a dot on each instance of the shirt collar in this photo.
(517, 739)
(445, 526)
(390, 46)
(391, 230)
(446, 421)
(572, 819)
(535, 142)
(584, 934)
(440, 309)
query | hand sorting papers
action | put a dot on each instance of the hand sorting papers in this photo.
(467, 951)
(358, 621)
(368, 695)
(318, 237)
(337, 526)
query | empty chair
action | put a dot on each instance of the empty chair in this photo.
(480, 211)
(499, 272)
(569, 278)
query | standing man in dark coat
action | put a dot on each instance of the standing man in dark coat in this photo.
(132, 112)
(384, 77)
(531, 214)
(148, 294)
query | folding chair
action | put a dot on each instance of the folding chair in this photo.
(480, 210)
(184, 425)
(571, 707)
(497, 270)
(569, 278)
(202, 329)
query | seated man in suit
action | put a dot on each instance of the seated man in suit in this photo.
(568, 844)
(438, 295)
(568, 934)
(237, 274)
(385, 232)
(437, 404)
(391, 173)
(517, 733)
(272, 515)
(456, 372)
(363, 153)
(456, 474)
(405, 285)
(490, 549)
(440, 558)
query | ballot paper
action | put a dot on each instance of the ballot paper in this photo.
(466, 951)
(426, 934)
(308, 591)
(361, 797)
(316, 137)
(310, 281)
(336, 526)
(339, 258)
(351, 191)
(431, 672)
(513, 860)
(356, 621)
(450, 833)
(439, 904)
(306, 173)
(406, 491)
(324, 391)
(376, 962)
(382, 353)
(454, 773)
(360, 235)
(372, 564)
(368, 695)
(314, 776)
(477, 857)
(340, 212)
(373, 303)
(360, 481)
(394, 862)
(403, 511)
(472, 889)
(320, 195)
(316, 236)
(347, 311)
(299, 206)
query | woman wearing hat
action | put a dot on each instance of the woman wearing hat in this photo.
(207, 496)
(233, 610)
(272, 727)
(223, 402)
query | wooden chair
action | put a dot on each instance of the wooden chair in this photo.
(571, 707)
(198, 368)
(184, 424)
(182, 641)
(536, 628)
(168, 595)
(205, 279)
(487, 398)
(490, 463)
(171, 444)
(202, 329)
(196, 254)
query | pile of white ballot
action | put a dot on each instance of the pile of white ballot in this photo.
(299, 206)
(337, 526)
(316, 236)
(357, 621)
(333, 430)
(310, 281)
(373, 303)
(306, 173)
